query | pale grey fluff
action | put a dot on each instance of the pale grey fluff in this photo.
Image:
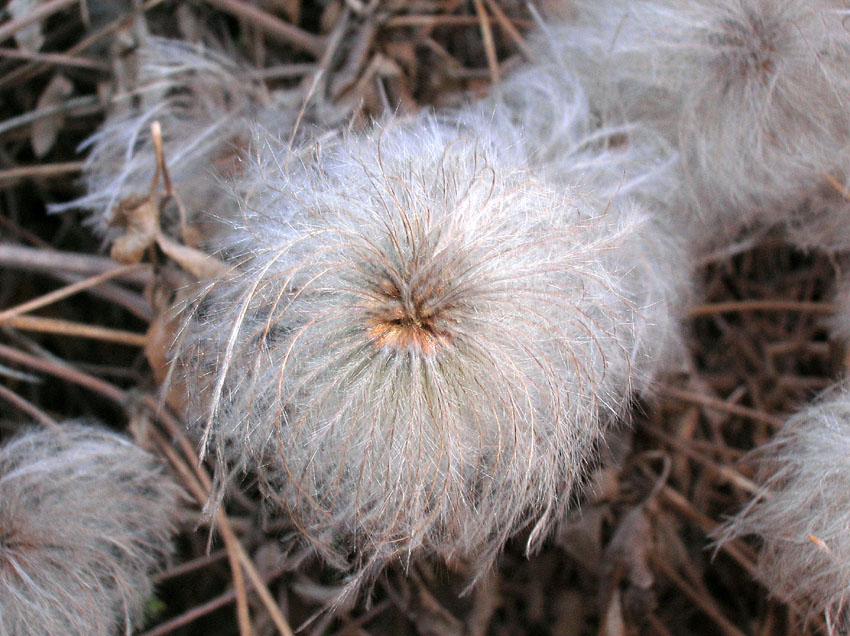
(543, 113)
(821, 222)
(424, 341)
(754, 92)
(544, 110)
(802, 518)
(85, 517)
(839, 323)
(205, 103)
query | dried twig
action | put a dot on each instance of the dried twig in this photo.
(41, 171)
(719, 405)
(66, 372)
(41, 11)
(89, 102)
(201, 489)
(489, 45)
(738, 306)
(703, 601)
(273, 26)
(511, 30)
(401, 21)
(64, 292)
(27, 407)
(76, 329)
(55, 59)
(55, 261)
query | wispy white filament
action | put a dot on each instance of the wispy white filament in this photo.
(205, 103)
(754, 92)
(425, 338)
(85, 516)
(804, 515)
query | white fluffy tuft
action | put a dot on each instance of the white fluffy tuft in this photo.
(204, 102)
(84, 517)
(425, 340)
(803, 517)
(754, 92)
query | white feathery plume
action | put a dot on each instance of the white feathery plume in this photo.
(802, 519)
(544, 110)
(754, 92)
(425, 339)
(85, 516)
(822, 221)
(204, 102)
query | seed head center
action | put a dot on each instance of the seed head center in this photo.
(406, 320)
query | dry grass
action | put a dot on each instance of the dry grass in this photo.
(635, 561)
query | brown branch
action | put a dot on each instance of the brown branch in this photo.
(202, 488)
(57, 262)
(511, 30)
(727, 473)
(66, 291)
(401, 21)
(736, 306)
(41, 171)
(705, 604)
(41, 11)
(27, 407)
(489, 45)
(66, 372)
(720, 405)
(210, 606)
(273, 26)
(56, 59)
(80, 330)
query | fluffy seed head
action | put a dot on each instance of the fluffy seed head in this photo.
(755, 91)
(84, 517)
(803, 517)
(424, 340)
(203, 101)
(543, 110)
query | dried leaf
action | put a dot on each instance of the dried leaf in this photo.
(630, 548)
(160, 339)
(139, 216)
(46, 129)
(581, 537)
(194, 261)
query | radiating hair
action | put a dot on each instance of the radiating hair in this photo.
(425, 339)
(85, 517)
(803, 515)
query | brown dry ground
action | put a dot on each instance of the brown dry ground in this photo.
(636, 560)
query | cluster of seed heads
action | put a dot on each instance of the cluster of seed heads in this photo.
(85, 517)
(429, 325)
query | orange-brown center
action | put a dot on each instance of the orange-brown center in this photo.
(405, 323)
